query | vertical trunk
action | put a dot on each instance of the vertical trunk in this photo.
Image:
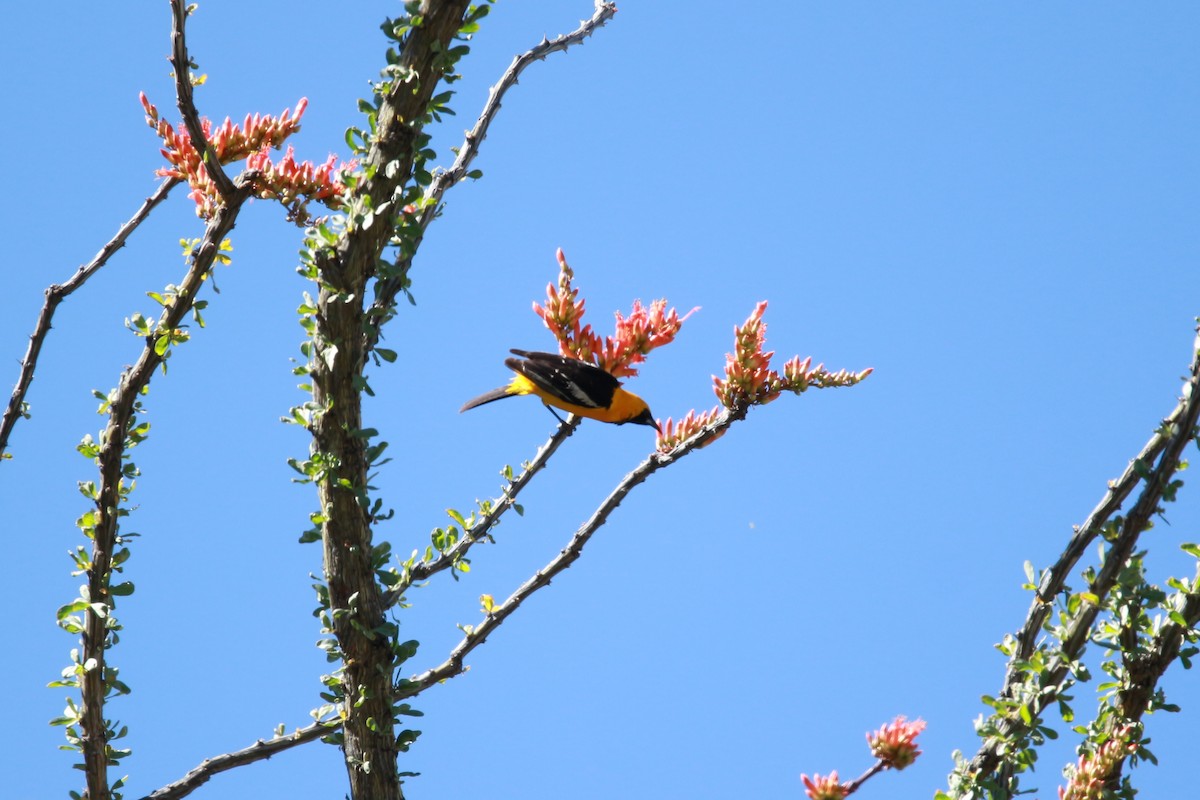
(356, 600)
(354, 595)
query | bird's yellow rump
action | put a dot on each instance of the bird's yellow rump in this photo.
(575, 386)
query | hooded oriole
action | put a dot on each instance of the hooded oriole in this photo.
(577, 387)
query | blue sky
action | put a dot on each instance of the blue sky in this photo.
(991, 204)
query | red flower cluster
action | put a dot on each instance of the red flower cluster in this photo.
(672, 433)
(292, 181)
(749, 378)
(288, 180)
(636, 335)
(747, 368)
(895, 744)
(1094, 769)
(824, 788)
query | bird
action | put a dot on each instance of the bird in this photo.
(575, 386)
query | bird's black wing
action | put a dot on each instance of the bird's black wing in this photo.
(569, 379)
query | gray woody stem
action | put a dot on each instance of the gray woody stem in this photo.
(58, 292)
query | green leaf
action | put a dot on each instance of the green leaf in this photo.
(406, 650)
(387, 355)
(122, 589)
(72, 608)
(374, 452)
(406, 738)
(406, 710)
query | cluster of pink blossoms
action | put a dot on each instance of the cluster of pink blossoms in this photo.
(895, 745)
(292, 182)
(1094, 769)
(826, 787)
(671, 433)
(749, 380)
(645, 329)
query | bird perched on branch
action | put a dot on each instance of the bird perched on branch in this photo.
(577, 387)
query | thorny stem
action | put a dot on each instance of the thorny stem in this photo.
(108, 503)
(187, 107)
(55, 294)
(469, 149)
(455, 664)
(480, 529)
(94, 736)
(1167, 445)
(227, 761)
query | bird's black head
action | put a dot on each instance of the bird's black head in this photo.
(645, 418)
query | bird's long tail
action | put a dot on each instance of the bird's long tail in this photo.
(487, 397)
